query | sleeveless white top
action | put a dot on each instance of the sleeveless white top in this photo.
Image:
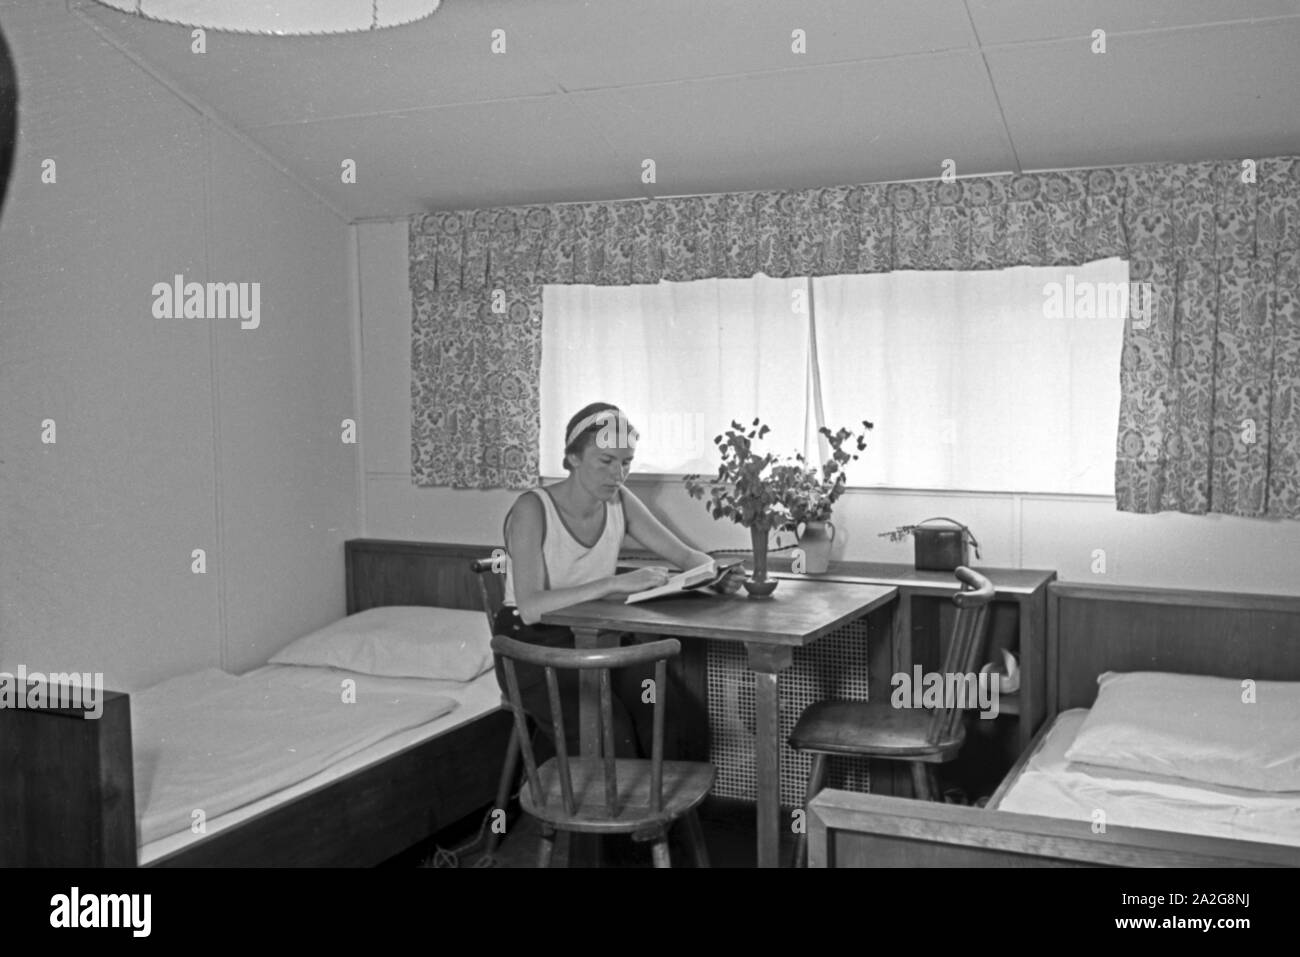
(567, 561)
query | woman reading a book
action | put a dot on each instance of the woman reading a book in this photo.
(563, 542)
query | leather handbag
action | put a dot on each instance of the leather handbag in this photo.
(942, 549)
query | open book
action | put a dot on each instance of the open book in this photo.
(701, 576)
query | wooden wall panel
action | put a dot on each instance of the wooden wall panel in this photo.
(411, 573)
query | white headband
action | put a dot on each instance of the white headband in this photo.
(597, 418)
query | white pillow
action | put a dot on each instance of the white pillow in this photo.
(1195, 727)
(399, 641)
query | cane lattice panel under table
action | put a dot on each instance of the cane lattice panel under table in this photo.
(834, 666)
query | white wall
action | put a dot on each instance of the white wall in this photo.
(1029, 531)
(172, 435)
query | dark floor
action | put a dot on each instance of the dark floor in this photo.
(728, 831)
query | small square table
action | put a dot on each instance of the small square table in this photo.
(796, 615)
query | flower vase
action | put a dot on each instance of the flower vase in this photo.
(815, 542)
(759, 585)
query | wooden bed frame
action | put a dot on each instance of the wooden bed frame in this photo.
(1091, 629)
(67, 789)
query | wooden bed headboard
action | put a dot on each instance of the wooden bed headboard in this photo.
(385, 572)
(1097, 628)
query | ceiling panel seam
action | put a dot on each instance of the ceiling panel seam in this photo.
(993, 88)
(204, 109)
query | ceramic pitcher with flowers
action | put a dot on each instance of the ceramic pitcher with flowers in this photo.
(815, 540)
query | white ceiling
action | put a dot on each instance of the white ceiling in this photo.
(711, 90)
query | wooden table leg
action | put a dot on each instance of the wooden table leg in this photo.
(589, 690)
(585, 849)
(903, 658)
(900, 639)
(1033, 647)
(767, 662)
(880, 651)
(889, 651)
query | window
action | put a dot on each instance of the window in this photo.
(682, 359)
(979, 381)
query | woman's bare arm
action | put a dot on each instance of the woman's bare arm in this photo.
(654, 535)
(657, 537)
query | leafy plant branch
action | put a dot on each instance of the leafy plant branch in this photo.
(765, 492)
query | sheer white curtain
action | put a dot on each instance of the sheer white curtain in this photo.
(969, 383)
(682, 359)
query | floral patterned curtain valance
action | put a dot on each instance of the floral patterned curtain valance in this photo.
(1208, 420)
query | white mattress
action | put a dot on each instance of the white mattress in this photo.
(308, 738)
(1053, 787)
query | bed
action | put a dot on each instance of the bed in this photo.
(70, 787)
(1043, 813)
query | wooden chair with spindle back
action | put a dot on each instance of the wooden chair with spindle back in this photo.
(876, 729)
(490, 575)
(605, 794)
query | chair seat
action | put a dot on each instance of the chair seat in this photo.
(872, 729)
(686, 783)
